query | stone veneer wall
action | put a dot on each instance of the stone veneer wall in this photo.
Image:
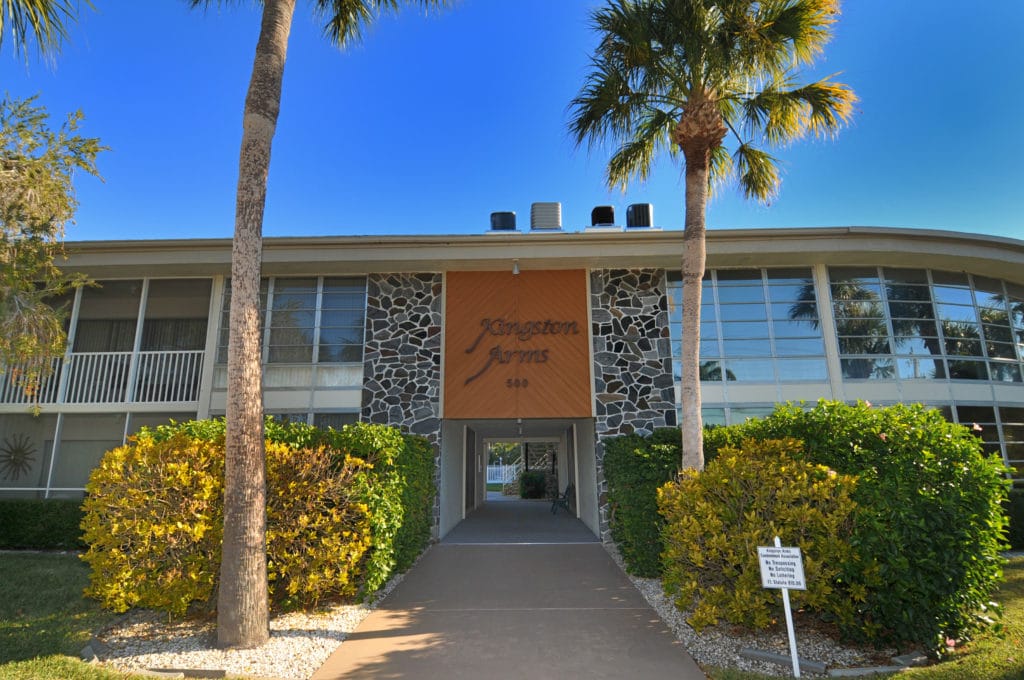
(402, 357)
(632, 360)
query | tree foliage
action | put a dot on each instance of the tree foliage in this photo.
(37, 202)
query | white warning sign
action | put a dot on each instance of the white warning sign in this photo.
(781, 568)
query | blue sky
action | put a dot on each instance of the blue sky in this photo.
(436, 120)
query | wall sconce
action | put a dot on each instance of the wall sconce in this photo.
(515, 267)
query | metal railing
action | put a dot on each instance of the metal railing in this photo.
(110, 378)
(504, 474)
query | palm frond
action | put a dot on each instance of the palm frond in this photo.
(721, 169)
(831, 106)
(784, 113)
(345, 19)
(635, 157)
(758, 173)
(39, 20)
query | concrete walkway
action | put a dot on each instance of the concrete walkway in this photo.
(511, 603)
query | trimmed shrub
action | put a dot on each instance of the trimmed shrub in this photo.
(416, 466)
(634, 468)
(1015, 515)
(382, 485)
(533, 484)
(40, 524)
(154, 521)
(715, 520)
(929, 525)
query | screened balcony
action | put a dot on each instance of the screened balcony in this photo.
(131, 342)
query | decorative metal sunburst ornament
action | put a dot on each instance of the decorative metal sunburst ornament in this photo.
(16, 456)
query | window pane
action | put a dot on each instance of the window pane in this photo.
(976, 414)
(1001, 350)
(796, 275)
(747, 348)
(799, 346)
(862, 275)
(903, 276)
(967, 370)
(1010, 414)
(711, 371)
(949, 279)
(290, 354)
(864, 345)
(1004, 372)
(708, 348)
(868, 369)
(753, 370)
(963, 347)
(731, 277)
(796, 328)
(740, 294)
(956, 313)
(911, 310)
(802, 369)
(744, 329)
(335, 420)
(917, 345)
(919, 368)
(915, 327)
(858, 309)
(950, 295)
(742, 312)
(804, 311)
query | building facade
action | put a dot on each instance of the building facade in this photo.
(540, 336)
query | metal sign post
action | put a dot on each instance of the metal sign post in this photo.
(784, 568)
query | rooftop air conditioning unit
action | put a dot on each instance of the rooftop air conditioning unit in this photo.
(503, 221)
(546, 217)
(640, 215)
(602, 216)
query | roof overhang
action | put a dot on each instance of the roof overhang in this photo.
(342, 255)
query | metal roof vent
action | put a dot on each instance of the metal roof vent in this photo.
(546, 217)
(640, 215)
(503, 221)
(602, 216)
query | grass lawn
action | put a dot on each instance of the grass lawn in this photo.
(44, 620)
(991, 656)
(494, 487)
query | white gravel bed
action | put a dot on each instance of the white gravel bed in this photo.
(720, 645)
(299, 644)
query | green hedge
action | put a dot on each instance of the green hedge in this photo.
(416, 466)
(40, 524)
(930, 523)
(634, 468)
(1015, 513)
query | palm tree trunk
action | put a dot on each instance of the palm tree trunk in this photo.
(697, 162)
(242, 600)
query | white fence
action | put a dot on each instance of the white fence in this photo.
(504, 474)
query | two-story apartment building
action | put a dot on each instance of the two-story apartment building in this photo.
(541, 335)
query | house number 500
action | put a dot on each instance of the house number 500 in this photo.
(517, 383)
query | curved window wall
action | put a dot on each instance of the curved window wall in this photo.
(913, 324)
(757, 325)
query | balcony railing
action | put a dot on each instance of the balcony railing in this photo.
(110, 378)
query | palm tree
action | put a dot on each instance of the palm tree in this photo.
(242, 607)
(39, 20)
(680, 75)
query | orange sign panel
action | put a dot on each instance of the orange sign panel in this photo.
(517, 345)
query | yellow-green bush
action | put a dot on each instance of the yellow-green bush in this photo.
(716, 519)
(153, 519)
